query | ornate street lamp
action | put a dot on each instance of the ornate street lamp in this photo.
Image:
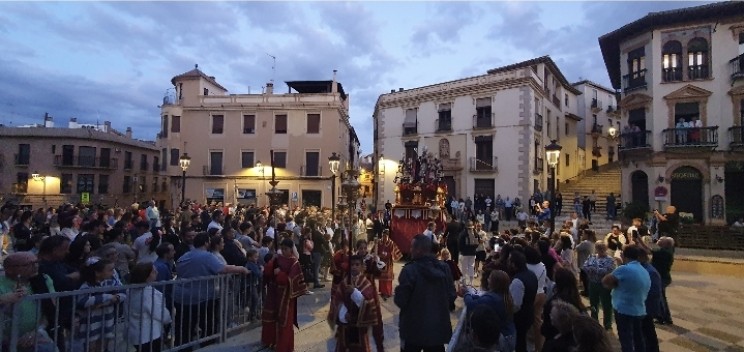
(333, 162)
(552, 154)
(184, 161)
(275, 196)
(350, 188)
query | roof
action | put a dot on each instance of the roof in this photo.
(196, 73)
(77, 133)
(539, 60)
(610, 42)
(594, 84)
(311, 87)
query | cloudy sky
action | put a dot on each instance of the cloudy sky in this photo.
(114, 60)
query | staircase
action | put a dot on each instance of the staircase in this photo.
(603, 182)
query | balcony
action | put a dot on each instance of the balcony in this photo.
(539, 166)
(21, 159)
(478, 165)
(85, 162)
(736, 136)
(214, 170)
(737, 68)
(672, 74)
(128, 164)
(596, 105)
(156, 166)
(635, 80)
(483, 121)
(312, 171)
(410, 129)
(144, 166)
(698, 72)
(538, 122)
(556, 102)
(443, 125)
(693, 138)
(635, 142)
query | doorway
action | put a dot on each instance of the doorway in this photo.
(311, 197)
(687, 191)
(639, 184)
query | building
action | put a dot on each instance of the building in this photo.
(489, 131)
(78, 163)
(600, 125)
(681, 75)
(229, 138)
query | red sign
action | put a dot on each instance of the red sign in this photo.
(660, 191)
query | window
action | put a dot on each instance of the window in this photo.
(143, 184)
(128, 160)
(68, 155)
(154, 185)
(24, 154)
(697, 58)
(218, 122)
(636, 76)
(483, 113)
(313, 123)
(280, 159)
(164, 127)
(445, 117)
(65, 184)
(566, 132)
(215, 163)
(568, 160)
(312, 163)
(164, 185)
(410, 124)
(206, 91)
(164, 156)
(280, 124)
(246, 159)
(87, 156)
(565, 99)
(105, 160)
(127, 185)
(54, 149)
(103, 183)
(176, 124)
(155, 163)
(547, 120)
(671, 61)
(22, 182)
(85, 183)
(143, 162)
(484, 153)
(175, 155)
(411, 150)
(311, 197)
(249, 124)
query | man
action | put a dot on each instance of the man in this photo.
(244, 237)
(544, 213)
(217, 218)
(593, 201)
(354, 310)
(653, 300)
(523, 289)
(662, 260)
(424, 293)
(630, 284)
(318, 238)
(611, 207)
(143, 243)
(370, 226)
(468, 243)
(197, 302)
(389, 254)
(153, 215)
(508, 209)
(615, 241)
(372, 271)
(284, 283)
(429, 232)
(377, 227)
(187, 241)
(586, 209)
(52, 253)
(668, 223)
(636, 232)
(451, 234)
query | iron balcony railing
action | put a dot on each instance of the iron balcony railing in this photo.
(634, 80)
(443, 125)
(736, 136)
(691, 137)
(635, 140)
(156, 166)
(195, 312)
(410, 130)
(85, 162)
(311, 170)
(596, 104)
(737, 67)
(698, 72)
(21, 159)
(144, 165)
(538, 122)
(539, 166)
(556, 102)
(672, 74)
(481, 121)
(213, 170)
(487, 165)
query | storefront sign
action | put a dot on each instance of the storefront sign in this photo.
(660, 193)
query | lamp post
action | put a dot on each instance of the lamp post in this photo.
(612, 132)
(333, 161)
(274, 200)
(37, 178)
(184, 161)
(350, 187)
(552, 153)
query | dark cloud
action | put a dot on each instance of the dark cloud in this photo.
(443, 25)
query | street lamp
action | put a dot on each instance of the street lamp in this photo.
(552, 153)
(37, 178)
(184, 161)
(350, 187)
(333, 162)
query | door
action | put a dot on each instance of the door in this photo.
(483, 153)
(639, 184)
(68, 152)
(105, 160)
(451, 190)
(311, 197)
(687, 191)
(734, 190)
(312, 164)
(485, 186)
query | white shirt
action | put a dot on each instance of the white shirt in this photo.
(542, 275)
(270, 232)
(69, 233)
(214, 225)
(430, 234)
(147, 314)
(141, 245)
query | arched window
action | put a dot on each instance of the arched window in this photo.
(671, 61)
(697, 58)
(444, 149)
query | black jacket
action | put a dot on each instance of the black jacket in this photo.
(232, 254)
(466, 247)
(424, 293)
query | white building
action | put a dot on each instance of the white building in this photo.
(597, 107)
(489, 130)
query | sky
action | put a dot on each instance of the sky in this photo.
(113, 61)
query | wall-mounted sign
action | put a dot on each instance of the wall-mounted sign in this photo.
(660, 193)
(717, 209)
(686, 173)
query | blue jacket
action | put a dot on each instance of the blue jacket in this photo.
(496, 302)
(653, 300)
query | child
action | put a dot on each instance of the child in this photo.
(254, 282)
(147, 313)
(98, 311)
(264, 250)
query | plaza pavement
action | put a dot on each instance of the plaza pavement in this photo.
(708, 313)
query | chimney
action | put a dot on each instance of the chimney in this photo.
(48, 121)
(269, 88)
(334, 85)
(106, 126)
(400, 89)
(72, 123)
(392, 91)
(129, 132)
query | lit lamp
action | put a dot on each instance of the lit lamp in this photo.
(552, 153)
(333, 163)
(612, 132)
(184, 161)
(37, 178)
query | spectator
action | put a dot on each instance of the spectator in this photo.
(523, 289)
(97, 311)
(566, 290)
(653, 301)
(79, 251)
(231, 249)
(216, 244)
(583, 250)
(596, 268)
(662, 260)
(217, 218)
(538, 268)
(254, 283)
(562, 314)
(319, 249)
(187, 241)
(668, 223)
(52, 253)
(164, 264)
(145, 243)
(147, 310)
(630, 284)
(468, 244)
(424, 293)
(611, 207)
(482, 325)
(499, 300)
(589, 336)
(451, 235)
(22, 232)
(126, 256)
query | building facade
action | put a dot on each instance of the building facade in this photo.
(680, 73)
(600, 127)
(489, 131)
(79, 163)
(230, 137)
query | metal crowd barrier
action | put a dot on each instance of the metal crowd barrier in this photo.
(217, 307)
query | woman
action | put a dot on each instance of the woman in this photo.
(538, 268)
(567, 253)
(480, 251)
(596, 267)
(22, 232)
(147, 311)
(583, 251)
(589, 336)
(499, 299)
(550, 262)
(562, 314)
(565, 290)
(79, 251)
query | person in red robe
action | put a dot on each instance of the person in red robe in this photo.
(389, 253)
(340, 264)
(354, 310)
(372, 270)
(284, 283)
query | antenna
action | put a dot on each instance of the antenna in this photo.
(273, 67)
